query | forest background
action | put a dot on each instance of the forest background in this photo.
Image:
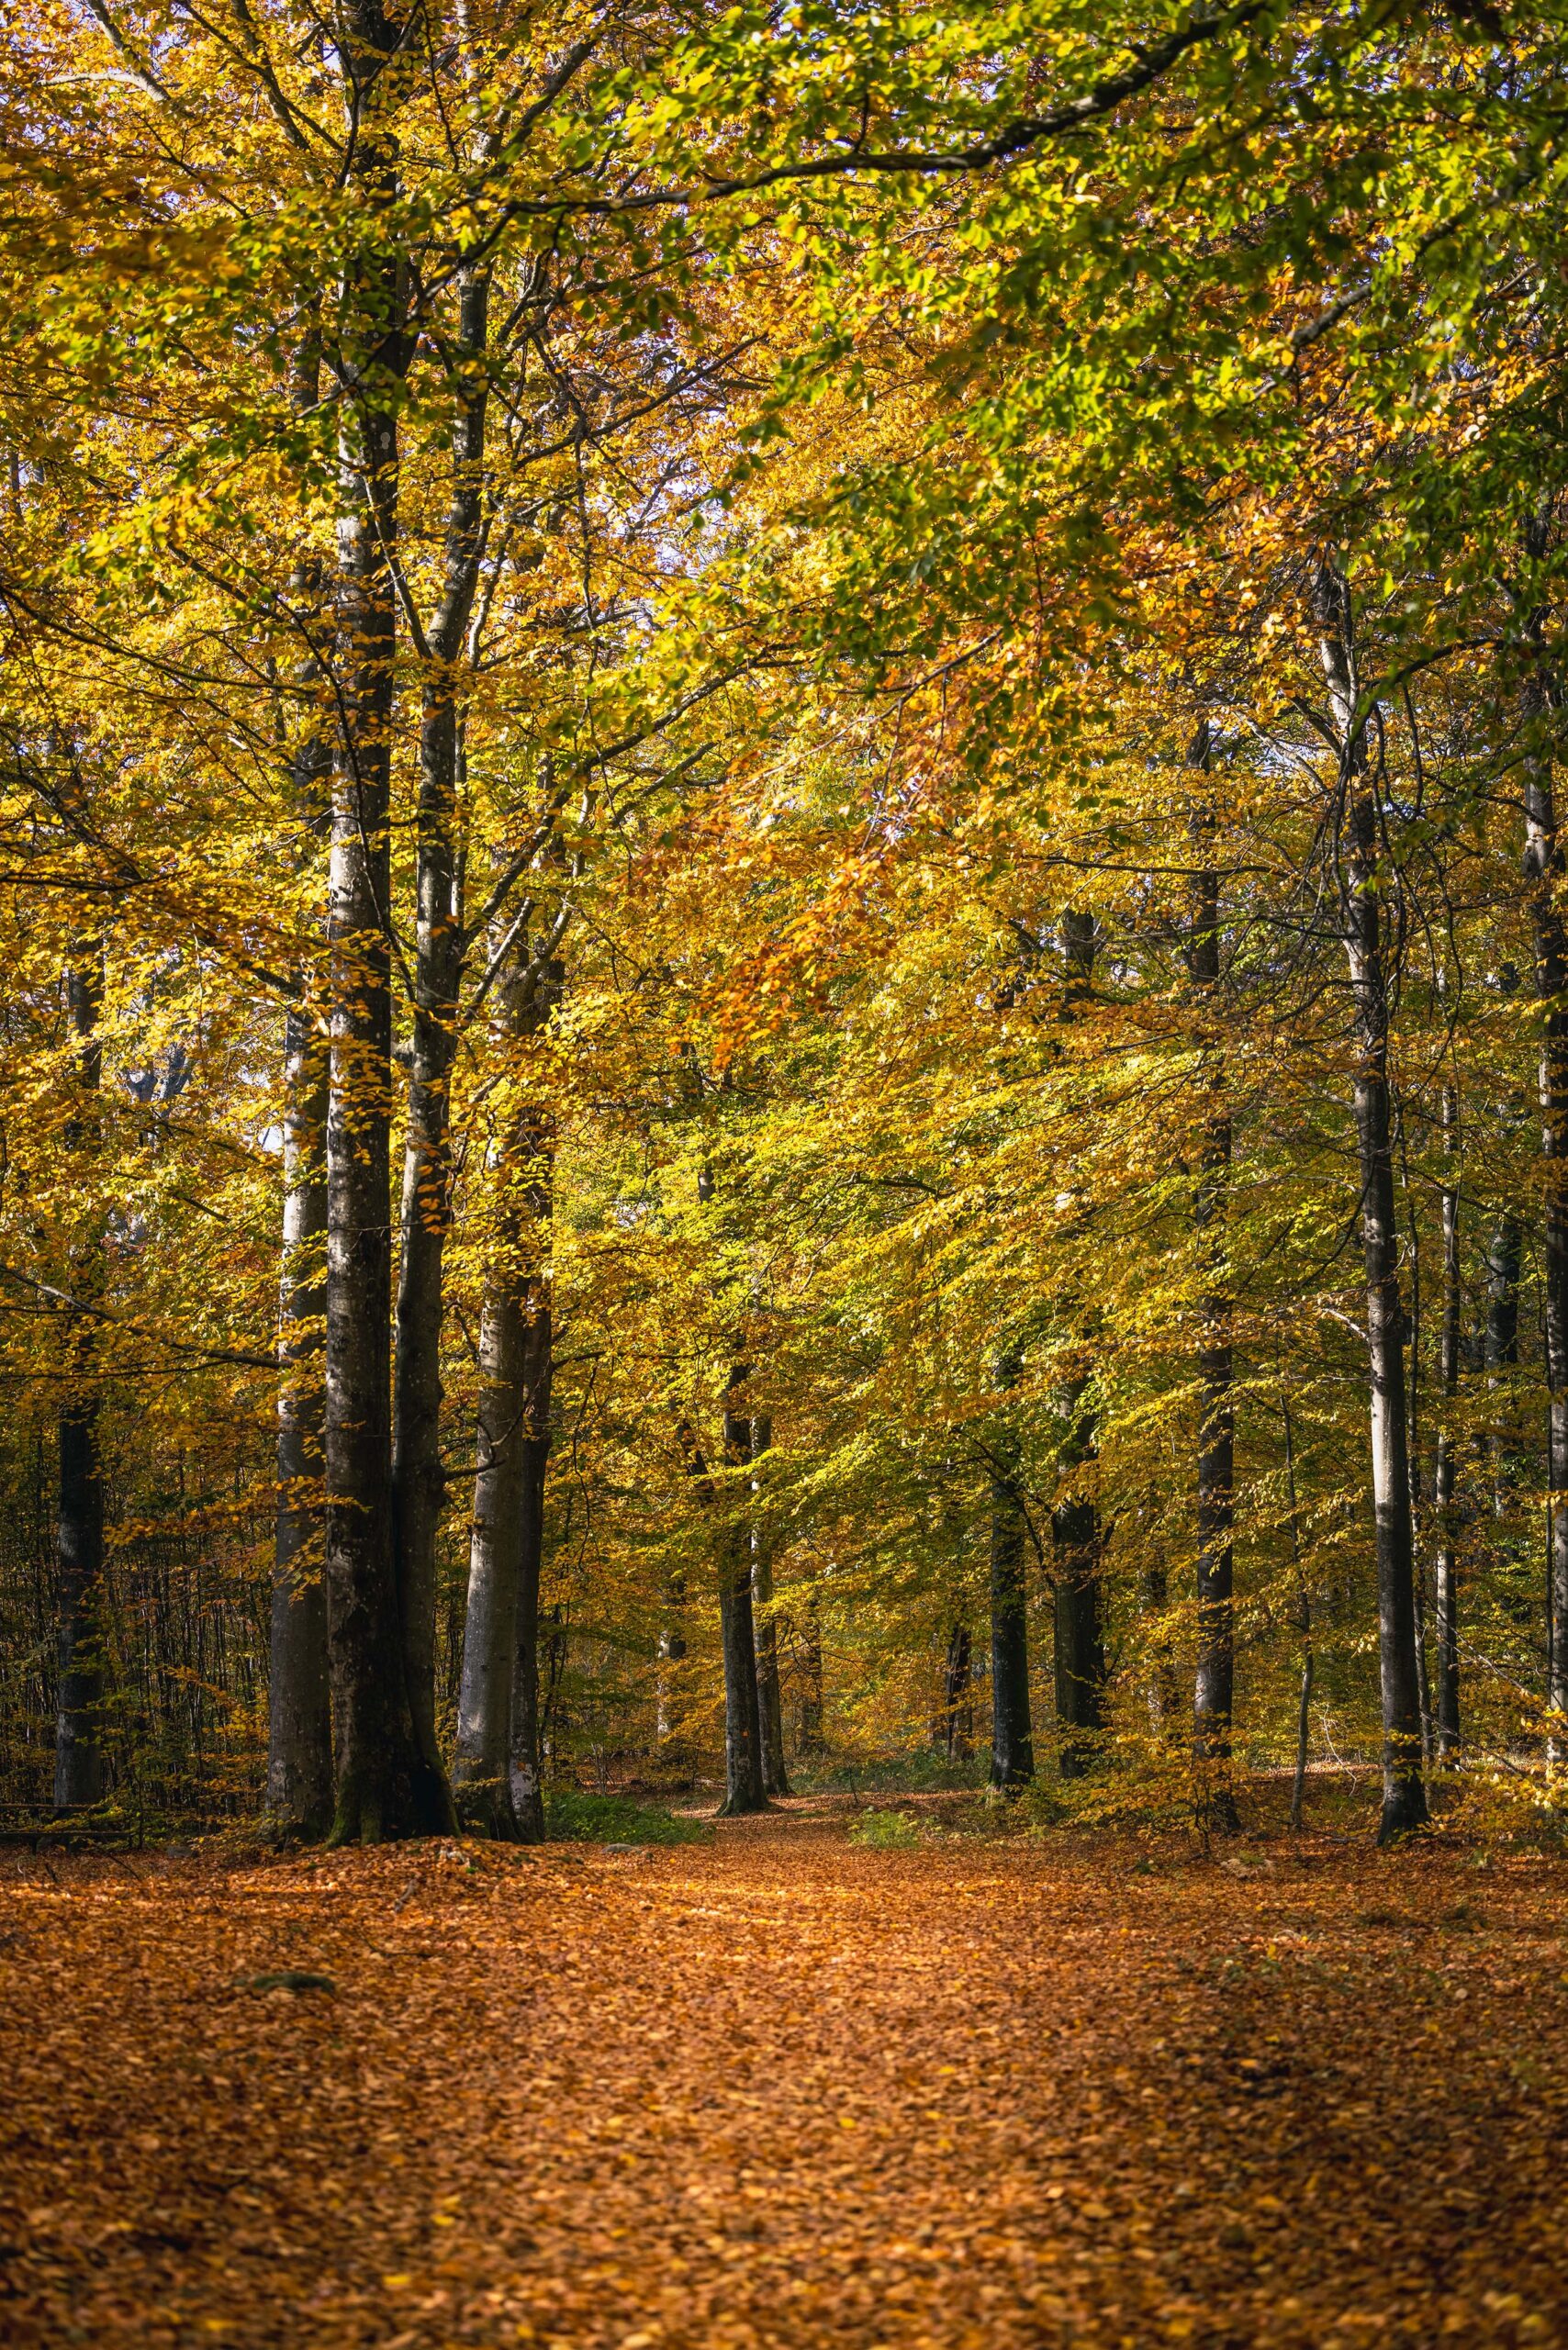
(803, 761)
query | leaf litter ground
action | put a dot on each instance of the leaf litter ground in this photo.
(779, 2090)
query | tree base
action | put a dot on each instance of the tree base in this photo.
(1405, 1812)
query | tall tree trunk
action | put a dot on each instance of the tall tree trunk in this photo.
(1543, 868)
(538, 1381)
(386, 1786)
(299, 1745)
(1012, 1728)
(418, 1483)
(299, 1738)
(1304, 1625)
(1077, 1536)
(1215, 1688)
(498, 1768)
(78, 1749)
(1444, 1474)
(743, 1787)
(1413, 1465)
(1404, 1790)
(1076, 1543)
(769, 1697)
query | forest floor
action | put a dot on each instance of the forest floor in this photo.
(781, 2091)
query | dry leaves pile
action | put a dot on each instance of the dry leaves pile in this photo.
(783, 2091)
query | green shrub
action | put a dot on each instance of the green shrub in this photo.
(572, 1817)
(886, 1831)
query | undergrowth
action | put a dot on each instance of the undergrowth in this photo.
(572, 1817)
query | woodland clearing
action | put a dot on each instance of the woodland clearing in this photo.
(780, 2089)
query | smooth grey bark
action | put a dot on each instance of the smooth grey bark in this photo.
(1444, 1474)
(497, 1775)
(743, 1787)
(1214, 1699)
(299, 1737)
(769, 1696)
(79, 1552)
(419, 1481)
(386, 1786)
(1404, 1790)
(1012, 1726)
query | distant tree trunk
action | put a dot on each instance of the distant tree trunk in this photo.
(1444, 1475)
(299, 1731)
(1543, 870)
(419, 1481)
(1215, 1689)
(1413, 1465)
(1404, 1791)
(497, 1775)
(769, 1697)
(1011, 1729)
(1304, 1623)
(482, 1771)
(671, 1656)
(812, 1706)
(526, 1758)
(1504, 1261)
(1077, 1536)
(743, 1788)
(957, 1709)
(1166, 1711)
(1076, 1542)
(78, 1749)
(386, 1786)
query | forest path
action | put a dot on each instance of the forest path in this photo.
(783, 2091)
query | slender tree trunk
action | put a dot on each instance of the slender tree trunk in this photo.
(78, 1749)
(743, 1788)
(1413, 1465)
(1444, 1475)
(1404, 1791)
(1011, 1729)
(1303, 1624)
(812, 1710)
(957, 1711)
(498, 1777)
(1543, 868)
(300, 1746)
(482, 1772)
(386, 1786)
(671, 1657)
(299, 1737)
(538, 1380)
(1215, 1689)
(418, 1483)
(1076, 1543)
(1077, 1537)
(1166, 1710)
(769, 1696)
